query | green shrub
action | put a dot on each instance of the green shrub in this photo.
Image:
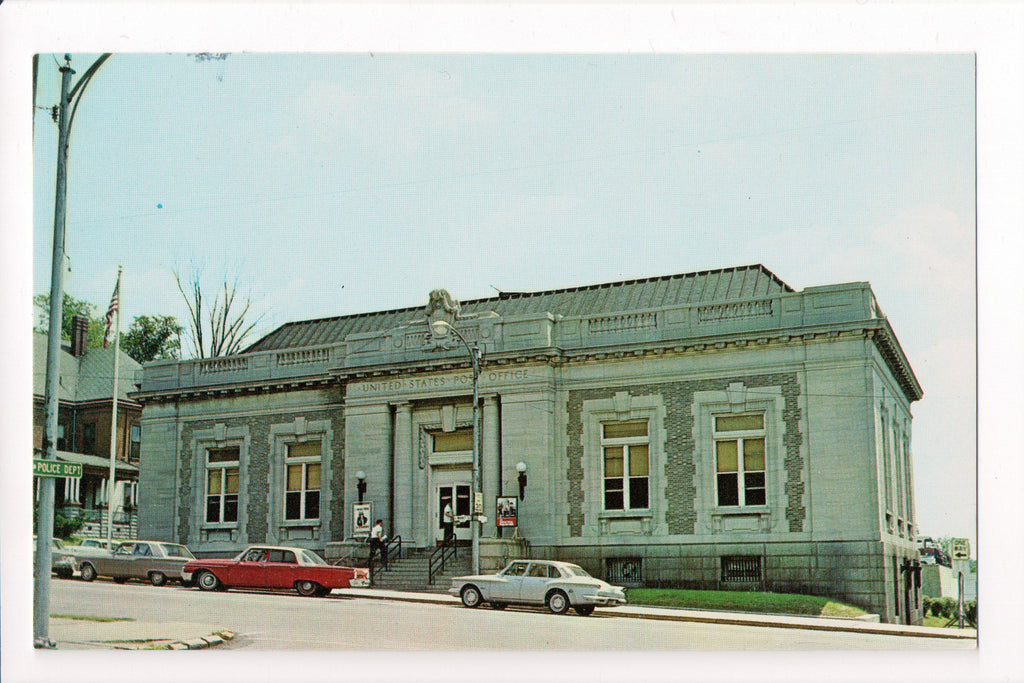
(971, 611)
(926, 605)
(64, 527)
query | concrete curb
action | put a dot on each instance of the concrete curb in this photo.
(852, 625)
(217, 638)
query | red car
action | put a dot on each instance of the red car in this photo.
(273, 566)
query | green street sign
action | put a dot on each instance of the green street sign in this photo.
(55, 468)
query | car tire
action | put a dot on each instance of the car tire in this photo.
(308, 589)
(157, 578)
(208, 581)
(323, 592)
(88, 572)
(120, 579)
(65, 573)
(558, 602)
(499, 605)
(471, 596)
(584, 610)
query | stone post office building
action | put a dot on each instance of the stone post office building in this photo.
(709, 430)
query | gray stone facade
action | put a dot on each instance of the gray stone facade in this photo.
(381, 394)
(680, 473)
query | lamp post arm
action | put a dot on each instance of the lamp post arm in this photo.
(474, 351)
(79, 88)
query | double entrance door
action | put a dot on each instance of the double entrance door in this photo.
(452, 487)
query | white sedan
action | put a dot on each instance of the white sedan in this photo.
(559, 585)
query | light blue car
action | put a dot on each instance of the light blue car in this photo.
(559, 585)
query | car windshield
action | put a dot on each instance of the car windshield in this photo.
(309, 557)
(576, 570)
(175, 550)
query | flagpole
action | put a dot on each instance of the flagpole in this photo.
(116, 304)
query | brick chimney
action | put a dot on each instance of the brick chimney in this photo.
(79, 335)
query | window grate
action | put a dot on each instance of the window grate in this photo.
(625, 571)
(741, 569)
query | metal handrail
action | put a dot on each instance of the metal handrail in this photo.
(439, 557)
(394, 542)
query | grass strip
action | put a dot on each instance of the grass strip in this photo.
(742, 601)
(86, 617)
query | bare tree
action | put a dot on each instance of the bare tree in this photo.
(223, 329)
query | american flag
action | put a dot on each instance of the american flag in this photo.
(112, 311)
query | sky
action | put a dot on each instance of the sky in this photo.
(353, 183)
(832, 142)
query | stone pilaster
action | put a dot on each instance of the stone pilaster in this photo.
(406, 469)
(491, 463)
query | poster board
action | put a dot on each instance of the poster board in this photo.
(507, 508)
(362, 516)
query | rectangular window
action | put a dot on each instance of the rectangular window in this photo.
(887, 463)
(454, 442)
(908, 481)
(626, 452)
(222, 485)
(896, 585)
(134, 442)
(900, 509)
(89, 438)
(740, 460)
(625, 571)
(741, 569)
(302, 481)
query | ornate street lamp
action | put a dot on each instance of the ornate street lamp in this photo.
(361, 484)
(521, 469)
(441, 328)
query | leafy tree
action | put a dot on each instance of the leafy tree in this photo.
(153, 337)
(72, 307)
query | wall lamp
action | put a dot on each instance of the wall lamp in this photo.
(521, 468)
(361, 484)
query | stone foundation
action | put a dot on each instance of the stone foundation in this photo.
(848, 571)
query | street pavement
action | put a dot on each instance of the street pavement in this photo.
(170, 634)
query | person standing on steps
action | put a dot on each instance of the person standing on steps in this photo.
(377, 539)
(448, 522)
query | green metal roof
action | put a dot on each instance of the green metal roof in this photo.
(87, 378)
(725, 284)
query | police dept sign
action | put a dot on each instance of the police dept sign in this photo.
(55, 468)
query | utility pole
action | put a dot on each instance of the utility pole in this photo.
(44, 532)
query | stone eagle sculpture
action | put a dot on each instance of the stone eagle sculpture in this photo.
(442, 306)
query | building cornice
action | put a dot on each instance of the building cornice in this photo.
(877, 330)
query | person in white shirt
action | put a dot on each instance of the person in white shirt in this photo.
(448, 521)
(377, 539)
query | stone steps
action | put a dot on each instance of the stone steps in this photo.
(412, 573)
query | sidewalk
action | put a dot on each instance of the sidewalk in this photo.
(136, 635)
(710, 617)
(82, 634)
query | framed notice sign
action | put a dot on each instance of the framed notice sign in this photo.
(361, 519)
(960, 548)
(508, 511)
